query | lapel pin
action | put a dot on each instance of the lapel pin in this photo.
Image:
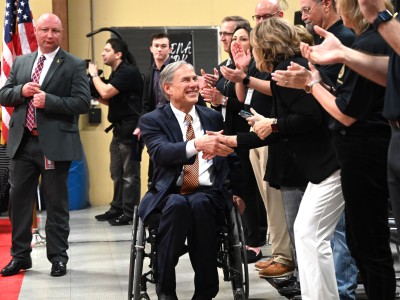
(58, 60)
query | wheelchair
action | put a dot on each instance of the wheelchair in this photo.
(231, 255)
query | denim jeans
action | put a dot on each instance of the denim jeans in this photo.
(345, 266)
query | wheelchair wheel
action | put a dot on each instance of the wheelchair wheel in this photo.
(136, 257)
(240, 276)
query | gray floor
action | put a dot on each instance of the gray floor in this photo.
(98, 266)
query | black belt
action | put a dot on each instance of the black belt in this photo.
(394, 123)
(33, 132)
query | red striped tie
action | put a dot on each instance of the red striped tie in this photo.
(190, 172)
(30, 114)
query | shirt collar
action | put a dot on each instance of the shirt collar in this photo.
(49, 56)
(180, 115)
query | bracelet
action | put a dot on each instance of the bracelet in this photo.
(94, 75)
(332, 90)
(308, 86)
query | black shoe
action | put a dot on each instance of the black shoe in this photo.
(107, 216)
(291, 290)
(58, 268)
(14, 266)
(121, 220)
(252, 256)
(281, 283)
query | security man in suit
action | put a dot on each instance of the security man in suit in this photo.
(186, 212)
(48, 90)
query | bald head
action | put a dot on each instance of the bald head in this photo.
(49, 17)
(269, 8)
(48, 31)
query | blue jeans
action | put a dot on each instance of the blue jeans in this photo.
(345, 266)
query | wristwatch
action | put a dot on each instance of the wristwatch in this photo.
(274, 125)
(309, 85)
(246, 80)
(383, 16)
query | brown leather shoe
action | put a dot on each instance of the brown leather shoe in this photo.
(260, 265)
(276, 269)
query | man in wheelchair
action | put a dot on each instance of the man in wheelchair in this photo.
(191, 169)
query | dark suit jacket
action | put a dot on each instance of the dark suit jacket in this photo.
(148, 102)
(67, 95)
(163, 137)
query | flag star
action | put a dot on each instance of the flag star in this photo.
(25, 17)
(22, 3)
(7, 4)
(7, 13)
(19, 11)
(6, 22)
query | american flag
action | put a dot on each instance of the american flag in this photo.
(19, 38)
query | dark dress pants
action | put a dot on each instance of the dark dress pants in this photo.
(363, 161)
(25, 169)
(192, 217)
(394, 175)
(125, 173)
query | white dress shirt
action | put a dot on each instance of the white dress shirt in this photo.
(206, 170)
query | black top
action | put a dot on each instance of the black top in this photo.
(303, 128)
(262, 103)
(346, 37)
(149, 99)
(392, 98)
(233, 122)
(127, 103)
(359, 97)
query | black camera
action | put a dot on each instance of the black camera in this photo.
(93, 92)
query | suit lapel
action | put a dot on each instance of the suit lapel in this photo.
(206, 122)
(30, 60)
(172, 122)
(57, 62)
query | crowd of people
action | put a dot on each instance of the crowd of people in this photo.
(304, 120)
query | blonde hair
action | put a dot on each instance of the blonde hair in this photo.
(350, 9)
(304, 35)
(274, 40)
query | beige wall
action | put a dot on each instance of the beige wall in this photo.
(131, 13)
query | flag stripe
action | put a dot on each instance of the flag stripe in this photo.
(18, 39)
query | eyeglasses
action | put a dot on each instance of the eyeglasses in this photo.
(307, 9)
(264, 17)
(224, 33)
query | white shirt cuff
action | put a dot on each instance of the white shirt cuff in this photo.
(190, 149)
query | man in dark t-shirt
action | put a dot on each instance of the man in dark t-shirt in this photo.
(123, 95)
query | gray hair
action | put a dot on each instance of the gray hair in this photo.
(167, 74)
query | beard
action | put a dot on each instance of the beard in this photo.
(310, 28)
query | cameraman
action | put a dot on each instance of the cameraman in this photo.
(122, 94)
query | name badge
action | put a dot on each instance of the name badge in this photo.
(249, 95)
(48, 164)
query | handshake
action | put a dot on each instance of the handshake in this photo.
(215, 144)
